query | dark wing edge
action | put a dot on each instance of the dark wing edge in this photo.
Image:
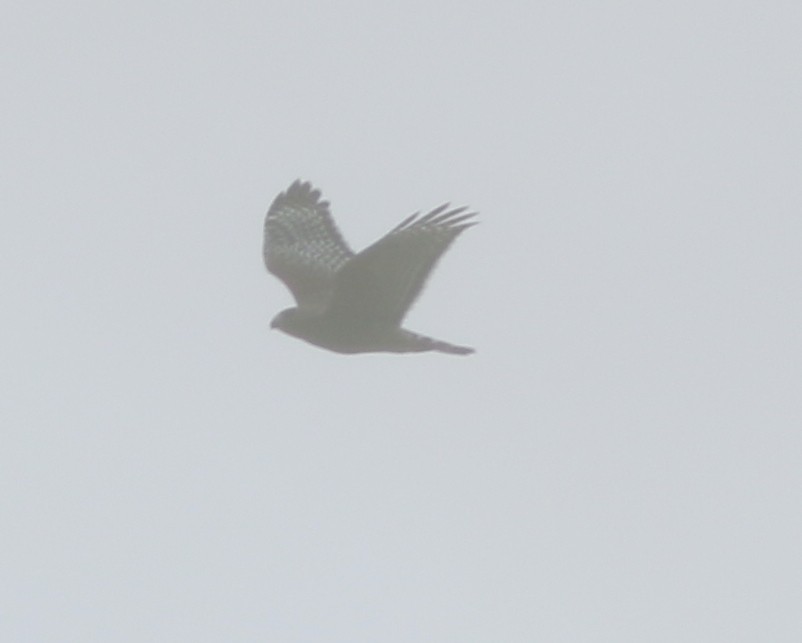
(383, 281)
(302, 245)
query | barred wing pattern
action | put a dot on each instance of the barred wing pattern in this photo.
(303, 247)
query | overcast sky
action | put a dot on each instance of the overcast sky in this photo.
(619, 461)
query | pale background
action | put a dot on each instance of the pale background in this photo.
(620, 461)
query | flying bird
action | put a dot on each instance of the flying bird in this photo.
(347, 302)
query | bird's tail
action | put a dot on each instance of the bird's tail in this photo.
(423, 343)
(453, 349)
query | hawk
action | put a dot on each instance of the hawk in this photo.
(347, 302)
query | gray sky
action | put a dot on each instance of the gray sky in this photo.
(620, 461)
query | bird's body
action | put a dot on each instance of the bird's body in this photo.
(354, 303)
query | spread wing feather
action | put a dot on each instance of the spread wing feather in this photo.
(381, 283)
(302, 245)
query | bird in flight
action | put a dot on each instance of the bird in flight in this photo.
(347, 302)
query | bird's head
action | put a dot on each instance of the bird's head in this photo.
(284, 318)
(292, 320)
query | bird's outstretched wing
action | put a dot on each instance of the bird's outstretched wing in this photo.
(382, 282)
(302, 246)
